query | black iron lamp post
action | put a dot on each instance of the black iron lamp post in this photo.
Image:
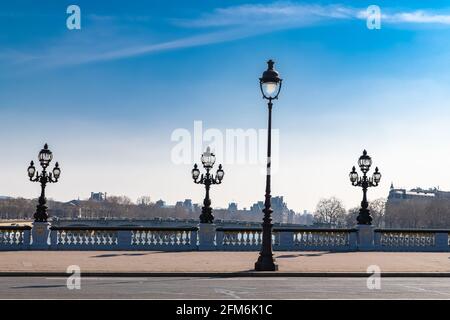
(208, 159)
(45, 157)
(364, 162)
(270, 84)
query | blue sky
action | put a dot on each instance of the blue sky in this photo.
(107, 97)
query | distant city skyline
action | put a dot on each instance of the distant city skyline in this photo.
(107, 98)
(103, 196)
(394, 193)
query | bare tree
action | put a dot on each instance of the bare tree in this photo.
(330, 211)
(350, 218)
(377, 211)
(124, 200)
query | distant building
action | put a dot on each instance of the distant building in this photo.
(257, 207)
(290, 216)
(281, 213)
(396, 195)
(160, 203)
(412, 208)
(187, 204)
(98, 196)
(232, 208)
(280, 210)
(196, 208)
(306, 218)
(179, 204)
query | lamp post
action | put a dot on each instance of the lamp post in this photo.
(208, 159)
(45, 157)
(270, 85)
(365, 182)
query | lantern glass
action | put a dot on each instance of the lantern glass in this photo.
(45, 156)
(56, 171)
(376, 176)
(270, 89)
(220, 173)
(270, 82)
(353, 176)
(195, 172)
(31, 170)
(208, 158)
(364, 162)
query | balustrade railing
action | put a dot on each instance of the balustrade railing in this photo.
(14, 237)
(180, 238)
(411, 240)
(186, 238)
(325, 239)
(123, 238)
(249, 239)
(83, 238)
(241, 239)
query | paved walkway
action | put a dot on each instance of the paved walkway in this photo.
(218, 262)
(223, 288)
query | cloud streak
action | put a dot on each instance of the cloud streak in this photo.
(220, 25)
(287, 13)
(271, 14)
(419, 17)
(72, 54)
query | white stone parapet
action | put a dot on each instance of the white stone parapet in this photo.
(206, 237)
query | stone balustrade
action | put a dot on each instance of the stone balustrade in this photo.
(411, 240)
(241, 239)
(15, 237)
(42, 236)
(287, 239)
(123, 238)
(84, 238)
(324, 239)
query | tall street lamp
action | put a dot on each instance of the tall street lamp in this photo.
(364, 162)
(208, 159)
(45, 157)
(270, 84)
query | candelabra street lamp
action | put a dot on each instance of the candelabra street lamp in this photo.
(365, 182)
(208, 159)
(45, 157)
(270, 85)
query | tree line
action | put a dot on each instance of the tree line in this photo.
(430, 213)
(113, 207)
(329, 212)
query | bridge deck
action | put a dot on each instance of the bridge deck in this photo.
(152, 261)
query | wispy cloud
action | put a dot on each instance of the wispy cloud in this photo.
(419, 17)
(279, 13)
(107, 54)
(219, 25)
(287, 13)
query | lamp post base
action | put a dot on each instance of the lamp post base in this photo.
(265, 264)
(206, 216)
(41, 212)
(364, 217)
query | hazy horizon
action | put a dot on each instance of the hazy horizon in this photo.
(108, 98)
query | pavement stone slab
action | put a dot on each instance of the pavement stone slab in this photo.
(220, 262)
